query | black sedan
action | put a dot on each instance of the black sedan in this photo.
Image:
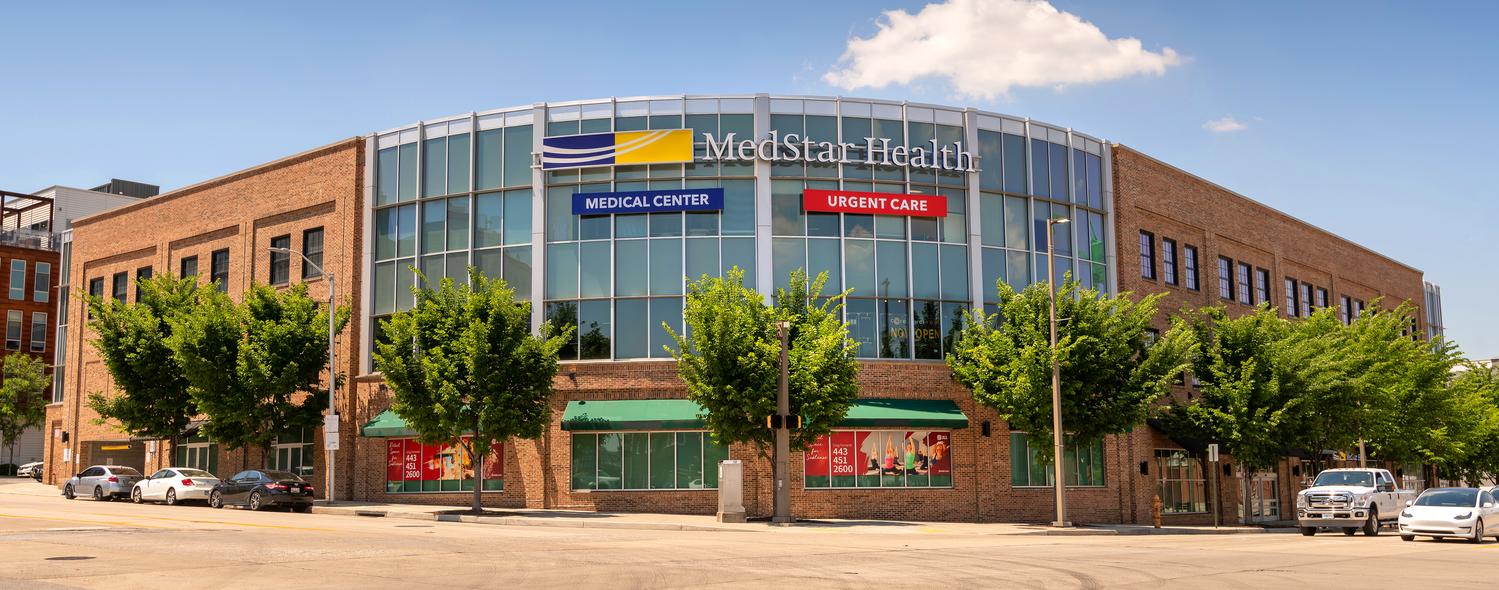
(263, 488)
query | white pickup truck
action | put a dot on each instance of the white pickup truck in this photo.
(1350, 499)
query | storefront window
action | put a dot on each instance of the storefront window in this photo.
(645, 461)
(445, 467)
(1180, 481)
(197, 452)
(293, 452)
(1083, 467)
(880, 459)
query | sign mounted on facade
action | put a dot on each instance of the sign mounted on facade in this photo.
(665, 146)
(874, 203)
(691, 199)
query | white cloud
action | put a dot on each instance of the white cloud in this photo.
(986, 47)
(1226, 124)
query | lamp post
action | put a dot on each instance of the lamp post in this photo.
(332, 377)
(1059, 479)
(782, 508)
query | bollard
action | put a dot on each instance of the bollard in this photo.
(1155, 510)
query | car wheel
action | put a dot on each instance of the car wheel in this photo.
(1477, 532)
(1308, 531)
(67, 492)
(172, 497)
(255, 501)
(1349, 531)
(135, 495)
(215, 499)
(98, 494)
(302, 509)
(1407, 537)
(1371, 528)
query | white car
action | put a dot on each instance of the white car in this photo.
(1464, 513)
(173, 485)
(32, 469)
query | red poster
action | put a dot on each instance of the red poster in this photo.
(844, 454)
(411, 465)
(939, 449)
(395, 455)
(874, 203)
(431, 462)
(816, 458)
(494, 462)
(866, 459)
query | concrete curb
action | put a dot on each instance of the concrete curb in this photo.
(556, 522)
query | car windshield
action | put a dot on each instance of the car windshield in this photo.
(1345, 478)
(282, 475)
(196, 473)
(124, 471)
(1460, 498)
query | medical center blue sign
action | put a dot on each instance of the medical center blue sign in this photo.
(692, 199)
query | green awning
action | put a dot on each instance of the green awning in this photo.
(680, 414)
(633, 414)
(387, 424)
(921, 413)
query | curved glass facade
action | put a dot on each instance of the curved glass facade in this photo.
(471, 190)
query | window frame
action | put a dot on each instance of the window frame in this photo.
(1244, 276)
(141, 274)
(41, 285)
(38, 345)
(119, 286)
(308, 270)
(1262, 286)
(1147, 255)
(18, 287)
(1169, 271)
(183, 264)
(1193, 279)
(706, 439)
(214, 273)
(14, 318)
(1199, 483)
(278, 272)
(1225, 278)
(1101, 458)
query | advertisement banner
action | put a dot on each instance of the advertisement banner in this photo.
(817, 458)
(939, 446)
(395, 457)
(880, 459)
(843, 201)
(648, 201)
(494, 462)
(844, 454)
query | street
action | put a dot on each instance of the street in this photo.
(49, 542)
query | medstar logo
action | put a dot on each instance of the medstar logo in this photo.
(876, 151)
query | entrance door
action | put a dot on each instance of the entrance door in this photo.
(1264, 497)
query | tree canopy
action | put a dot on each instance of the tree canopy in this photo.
(1112, 368)
(730, 358)
(153, 398)
(23, 380)
(463, 361)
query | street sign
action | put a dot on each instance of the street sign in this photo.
(1213, 453)
(330, 443)
(330, 426)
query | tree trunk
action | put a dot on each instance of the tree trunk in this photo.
(478, 474)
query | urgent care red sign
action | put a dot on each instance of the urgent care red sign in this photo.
(874, 203)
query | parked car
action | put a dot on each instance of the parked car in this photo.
(32, 470)
(102, 482)
(175, 484)
(260, 489)
(1465, 513)
(1351, 499)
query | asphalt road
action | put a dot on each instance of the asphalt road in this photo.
(48, 542)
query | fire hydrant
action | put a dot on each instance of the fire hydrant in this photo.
(1155, 510)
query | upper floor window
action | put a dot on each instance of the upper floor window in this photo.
(1291, 303)
(1347, 310)
(13, 329)
(1306, 300)
(41, 288)
(141, 274)
(120, 286)
(312, 248)
(38, 331)
(18, 279)
(1189, 262)
(1321, 297)
(95, 291)
(218, 270)
(1243, 277)
(189, 266)
(1261, 285)
(1168, 260)
(1147, 255)
(1225, 278)
(280, 261)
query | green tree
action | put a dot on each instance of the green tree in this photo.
(256, 367)
(730, 358)
(1421, 417)
(1477, 387)
(463, 361)
(153, 399)
(1111, 371)
(21, 403)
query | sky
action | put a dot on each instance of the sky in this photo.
(1373, 120)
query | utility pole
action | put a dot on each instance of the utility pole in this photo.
(782, 509)
(1060, 480)
(330, 423)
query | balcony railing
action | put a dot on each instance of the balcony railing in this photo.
(30, 238)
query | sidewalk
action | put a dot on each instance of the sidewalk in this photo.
(687, 522)
(26, 486)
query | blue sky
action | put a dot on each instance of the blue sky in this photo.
(1373, 120)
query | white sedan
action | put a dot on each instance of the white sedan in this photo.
(1464, 513)
(173, 485)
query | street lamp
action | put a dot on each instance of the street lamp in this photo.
(782, 508)
(332, 377)
(1059, 483)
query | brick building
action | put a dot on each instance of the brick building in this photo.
(942, 203)
(29, 250)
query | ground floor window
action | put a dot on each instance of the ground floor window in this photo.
(645, 461)
(880, 459)
(1182, 483)
(293, 452)
(1082, 466)
(412, 466)
(197, 452)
